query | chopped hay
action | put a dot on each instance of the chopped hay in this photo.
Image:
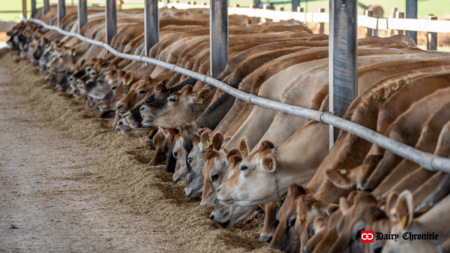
(123, 170)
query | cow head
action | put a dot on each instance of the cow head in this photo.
(286, 237)
(229, 215)
(348, 179)
(178, 108)
(119, 88)
(138, 92)
(256, 182)
(180, 154)
(61, 59)
(361, 216)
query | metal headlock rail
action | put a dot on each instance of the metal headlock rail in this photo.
(426, 160)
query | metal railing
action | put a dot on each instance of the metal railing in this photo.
(426, 160)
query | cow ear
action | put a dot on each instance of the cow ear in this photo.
(404, 209)
(205, 139)
(343, 205)
(265, 145)
(202, 96)
(233, 160)
(243, 147)
(233, 152)
(332, 208)
(217, 140)
(296, 190)
(339, 178)
(390, 206)
(146, 78)
(128, 78)
(201, 130)
(269, 164)
(210, 154)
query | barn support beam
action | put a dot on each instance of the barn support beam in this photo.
(111, 20)
(151, 24)
(432, 37)
(411, 12)
(218, 36)
(33, 8)
(24, 8)
(343, 58)
(82, 14)
(61, 11)
(46, 7)
(295, 5)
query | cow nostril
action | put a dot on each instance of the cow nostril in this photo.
(120, 123)
(212, 217)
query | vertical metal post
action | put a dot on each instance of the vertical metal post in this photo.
(82, 14)
(321, 25)
(218, 36)
(24, 8)
(369, 30)
(411, 12)
(61, 11)
(257, 3)
(295, 5)
(432, 37)
(330, 70)
(46, 7)
(400, 15)
(151, 24)
(393, 15)
(343, 57)
(300, 9)
(111, 20)
(33, 8)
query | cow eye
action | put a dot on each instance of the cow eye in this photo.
(142, 92)
(88, 69)
(243, 167)
(172, 99)
(175, 154)
(215, 177)
(60, 56)
(99, 81)
(292, 221)
(113, 88)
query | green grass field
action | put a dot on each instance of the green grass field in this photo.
(436, 7)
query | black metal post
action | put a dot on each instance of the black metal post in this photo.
(218, 36)
(82, 14)
(33, 7)
(411, 12)
(321, 25)
(343, 57)
(369, 30)
(151, 24)
(61, 11)
(295, 5)
(46, 7)
(111, 20)
(432, 37)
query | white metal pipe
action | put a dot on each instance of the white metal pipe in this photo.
(426, 160)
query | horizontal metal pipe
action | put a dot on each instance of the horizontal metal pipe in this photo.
(426, 160)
